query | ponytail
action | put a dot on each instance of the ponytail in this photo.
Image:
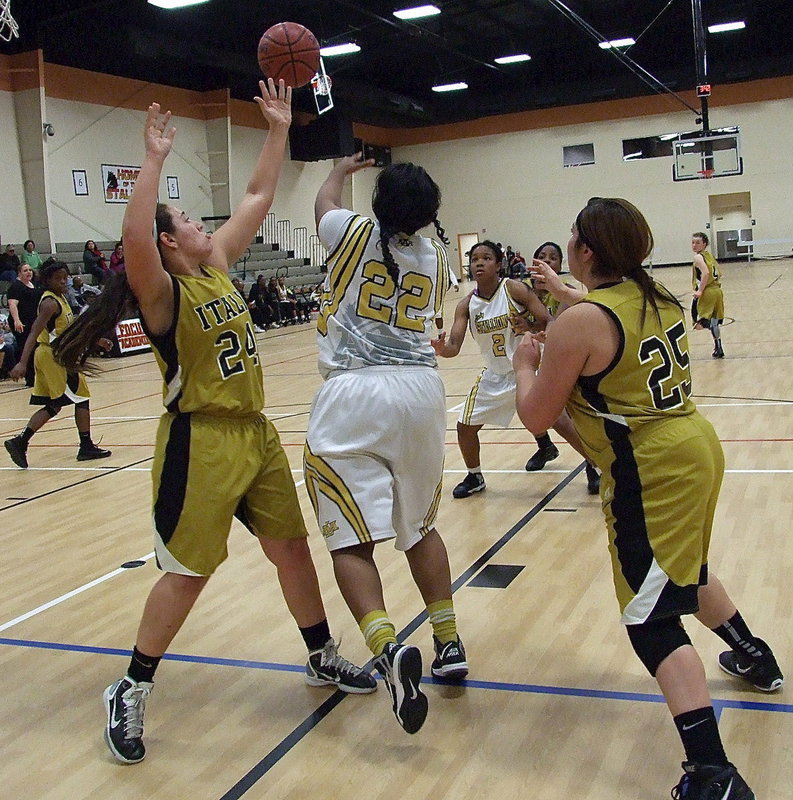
(73, 347)
(651, 292)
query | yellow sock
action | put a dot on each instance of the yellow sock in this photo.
(443, 620)
(378, 630)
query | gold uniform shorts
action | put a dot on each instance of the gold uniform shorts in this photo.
(208, 470)
(659, 493)
(54, 385)
(711, 304)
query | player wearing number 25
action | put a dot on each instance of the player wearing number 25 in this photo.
(375, 441)
(618, 360)
(216, 455)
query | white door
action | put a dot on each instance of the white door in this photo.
(465, 241)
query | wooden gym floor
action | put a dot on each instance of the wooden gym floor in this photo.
(557, 706)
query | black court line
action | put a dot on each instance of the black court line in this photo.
(310, 722)
(753, 399)
(102, 474)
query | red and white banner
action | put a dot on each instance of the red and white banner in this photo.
(131, 337)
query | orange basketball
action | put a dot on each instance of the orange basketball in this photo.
(290, 51)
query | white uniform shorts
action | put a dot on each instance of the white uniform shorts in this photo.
(373, 460)
(491, 401)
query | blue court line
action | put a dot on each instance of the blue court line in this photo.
(499, 686)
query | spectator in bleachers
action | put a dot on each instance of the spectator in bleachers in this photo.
(94, 262)
(76, 293)
(287, 305)
(262, 308)
(240, 287)
(8, 348)
(23, 303)
(303, 299)
(273, 300)
(30, 257)
(117, 258)
(9, 263)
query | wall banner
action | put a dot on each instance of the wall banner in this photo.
(118, 181)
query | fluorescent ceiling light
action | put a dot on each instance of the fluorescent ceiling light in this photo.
(417, 12)
(668, 137)
(631, 156)
(617, 43)
(513, 59)
(175, 3)
(726, 26)
(450, 87)
(340, 49)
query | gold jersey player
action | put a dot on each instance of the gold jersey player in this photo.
(488, 313)
(216, 455)
(707, 307)
(375, 442)
(619, 361)
(54, 386)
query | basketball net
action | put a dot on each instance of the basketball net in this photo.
(705, 173)
(320, 84)
(8, 25)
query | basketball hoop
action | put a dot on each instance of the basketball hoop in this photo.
(320, 85)
(705, 173)
(8, 25)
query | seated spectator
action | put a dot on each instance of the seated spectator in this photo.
(240, 287)
(9, 356)
(303, 301)
(76, 291)
(274, 300)
(9, 264)
(517, 266)
(30, 257)
(117, 258)
(286, 304)
(94, 262)
(260, 303)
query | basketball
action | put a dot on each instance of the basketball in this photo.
(290, 51)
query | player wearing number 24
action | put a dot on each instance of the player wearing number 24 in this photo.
(216, 455)
(618, 360)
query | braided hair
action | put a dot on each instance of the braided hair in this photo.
(405, 199)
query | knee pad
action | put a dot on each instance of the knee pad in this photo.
(655, 640)
(52, 410)
(83, 404)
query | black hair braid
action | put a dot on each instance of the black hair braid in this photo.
(73, 347)
(388, 256)
(441, 233)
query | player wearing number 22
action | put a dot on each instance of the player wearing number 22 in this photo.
(216, 455)
(375, 441)
(619, 362)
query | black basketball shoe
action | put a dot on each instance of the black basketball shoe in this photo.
(711, 782)
(125, 702)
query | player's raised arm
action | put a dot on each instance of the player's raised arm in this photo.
(235, 235)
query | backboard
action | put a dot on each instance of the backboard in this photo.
(707, 155)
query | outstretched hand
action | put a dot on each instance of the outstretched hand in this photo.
(439, 344)
(527, 354)
(354, 163)
(543, 278)
(157, 136)
(275, 103)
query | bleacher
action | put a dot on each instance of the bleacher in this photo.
(259, 259)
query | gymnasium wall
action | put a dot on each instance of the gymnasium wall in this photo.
(88, 135)
(13, 217)
(513, 188)
(501, 177)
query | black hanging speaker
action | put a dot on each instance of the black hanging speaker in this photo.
(328, 136)
(381, 155)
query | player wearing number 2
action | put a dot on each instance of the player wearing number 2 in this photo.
(619, 361)
(375, 441)
(216, 455)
